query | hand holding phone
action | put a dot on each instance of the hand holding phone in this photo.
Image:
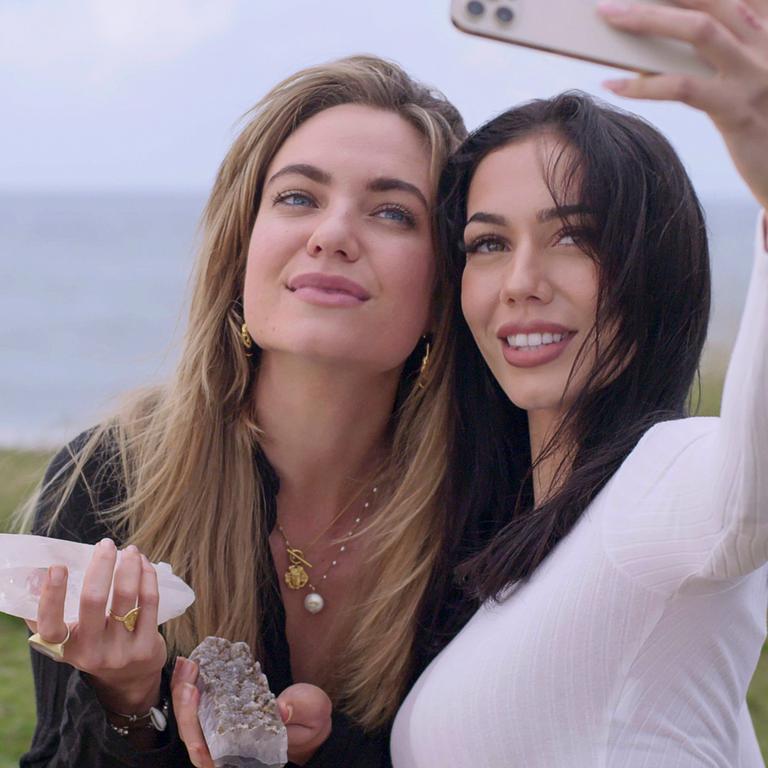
(733, 37)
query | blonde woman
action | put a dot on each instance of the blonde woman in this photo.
(292, 471)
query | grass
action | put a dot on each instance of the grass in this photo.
(19, 472)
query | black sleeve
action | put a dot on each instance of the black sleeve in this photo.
(349, 746)
(72, 729)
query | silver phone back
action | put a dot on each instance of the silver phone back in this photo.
(573, 28)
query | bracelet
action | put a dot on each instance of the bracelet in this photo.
(156, 718)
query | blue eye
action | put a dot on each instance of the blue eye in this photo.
(397, 214)
(294, 199)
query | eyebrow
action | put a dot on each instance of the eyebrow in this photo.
(312, 172)
(382, 184)
(386, 184)
(542, 216)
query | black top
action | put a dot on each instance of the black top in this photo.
(72, 729)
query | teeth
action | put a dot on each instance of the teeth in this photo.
(531, 340)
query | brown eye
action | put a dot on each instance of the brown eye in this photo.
(486, 244)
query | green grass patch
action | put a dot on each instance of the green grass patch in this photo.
(19, 474)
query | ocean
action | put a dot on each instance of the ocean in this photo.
(93, 290)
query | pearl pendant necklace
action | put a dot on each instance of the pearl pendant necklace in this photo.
(296, 577)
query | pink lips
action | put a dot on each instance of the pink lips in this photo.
(327, 290)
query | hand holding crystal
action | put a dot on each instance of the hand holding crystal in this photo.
(305, 709)
(122, 665)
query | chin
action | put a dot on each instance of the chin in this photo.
(533, 394)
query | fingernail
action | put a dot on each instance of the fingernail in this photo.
(187, 690)
(57, 574)
(187, 669)
(131, 548)
(612, 7)
(107, 544)
(288, 713)
(617, 86)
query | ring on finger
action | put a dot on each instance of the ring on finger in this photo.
(130, 618)
(53, 651)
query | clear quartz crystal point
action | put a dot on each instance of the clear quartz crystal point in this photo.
(24, 562)
(238, 713)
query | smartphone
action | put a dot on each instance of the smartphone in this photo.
(574, 28)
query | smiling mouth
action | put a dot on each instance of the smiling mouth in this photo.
(533, 342)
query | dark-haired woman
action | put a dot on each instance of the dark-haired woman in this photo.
(626, 594)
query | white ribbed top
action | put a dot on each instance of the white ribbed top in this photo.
(633, 644)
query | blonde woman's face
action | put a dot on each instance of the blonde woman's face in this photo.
(340, 262)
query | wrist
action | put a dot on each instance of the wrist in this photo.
(156, 719)
(134, 698)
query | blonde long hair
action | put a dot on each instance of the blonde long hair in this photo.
(185, 452)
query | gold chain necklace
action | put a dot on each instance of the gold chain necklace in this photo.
(296, 577)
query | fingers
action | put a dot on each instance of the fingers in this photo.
(737, 16)
(715, 43)
(96, 585)
(186, 699)
(149, 599)
(760, 6)
(50, 610)
(127, 581)
(304, 704)
(694, 91)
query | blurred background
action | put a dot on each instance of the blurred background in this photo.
(115, 117)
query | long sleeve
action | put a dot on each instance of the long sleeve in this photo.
(351, 747)
(741, 489)
(71, 728)
(689, 506)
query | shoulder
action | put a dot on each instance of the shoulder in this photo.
(667, 471)
(82, 480)
(665, 480)
(676, 443)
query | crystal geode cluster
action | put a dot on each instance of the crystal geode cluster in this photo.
(238, 713)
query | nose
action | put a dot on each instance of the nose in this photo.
(525, 278)
(334, 235)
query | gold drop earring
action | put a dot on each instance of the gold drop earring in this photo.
(424, 366)
(246, 339)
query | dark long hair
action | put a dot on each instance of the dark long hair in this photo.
(646, 233)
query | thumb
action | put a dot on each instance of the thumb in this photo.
(304, 704)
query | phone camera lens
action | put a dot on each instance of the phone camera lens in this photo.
(475, 8)
(504, 14)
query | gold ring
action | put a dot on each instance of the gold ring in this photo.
(53, 651)
(130, 618)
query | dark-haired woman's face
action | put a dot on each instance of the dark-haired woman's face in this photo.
(529, 294)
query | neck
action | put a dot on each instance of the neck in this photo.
(542, 425)
(325, 430)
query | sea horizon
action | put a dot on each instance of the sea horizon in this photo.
(93, 291)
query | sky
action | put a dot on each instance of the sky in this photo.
(146, 95)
